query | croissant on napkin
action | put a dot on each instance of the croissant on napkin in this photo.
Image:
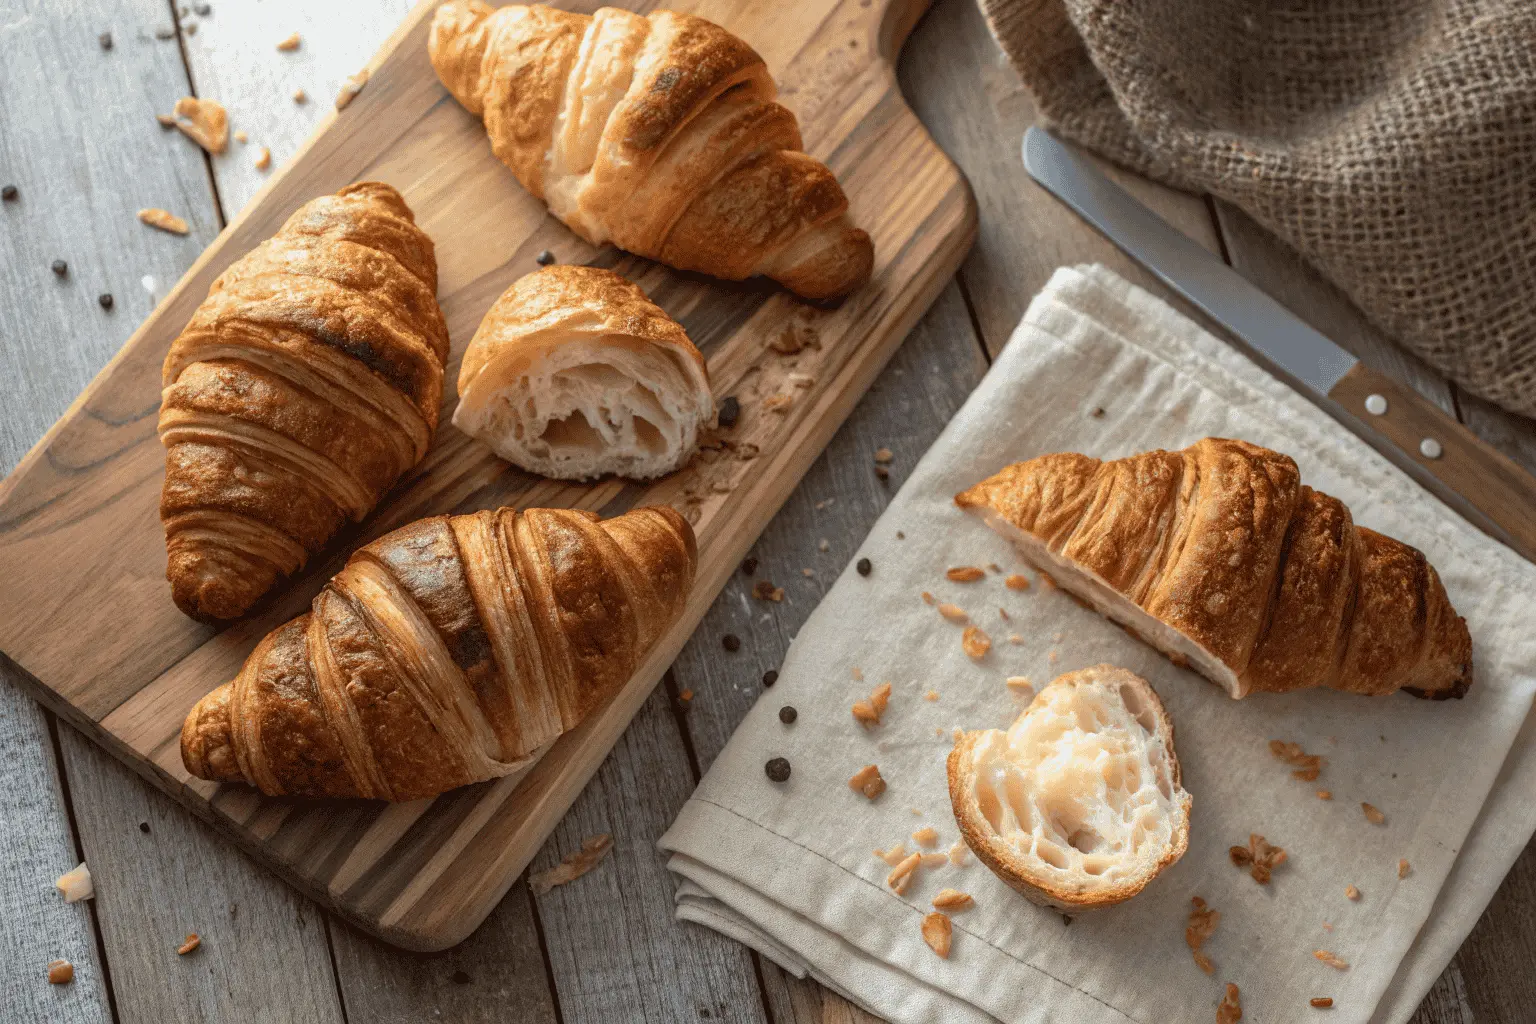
(448, 652)
(575, 373)
(1221, 558)
(305, 385)
(657, 133)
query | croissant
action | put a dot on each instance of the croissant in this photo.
(447, 652)
(657, 133)
(575, 373)
(305, 385)
(1218, 556)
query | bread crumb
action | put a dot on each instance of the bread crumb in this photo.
(801, 380)
(952, 899)
(1307, 766)
(927, 598)
(1325, 794)
(883, 455)
(958, 852)
(1002, 613)
(857, 673)
(164, 220)
(975, 642)
(764, 590)
(242, 138)
(1350, 892)
(1016, 582)
(937, 932)
(901, 875)
(1258, 856)
(895, 855)
(1231, 1009)
(926, 836)
(1373, 814)
(964, 574)
(263, 159)
(953, 612)
(808, 573)
(350, 88)
(191, 942)
(573, 865)
(290, 43)
(1015, 639)
(75, 884)
(1202, 923)
(205, 122)
(867, 780)
(1333, 960)
(60, 972)
(1320, 1002)
(779, 403)
(1403, 868)
(934, 860)
(868, 711)
(931, 695)
(300, 96)
(685, 696)
(880, 698)
(1021, 686)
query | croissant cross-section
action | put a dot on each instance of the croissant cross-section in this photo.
(450, 651)
(1221, 558)
(658, 133)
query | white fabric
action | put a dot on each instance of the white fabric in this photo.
(788, 868)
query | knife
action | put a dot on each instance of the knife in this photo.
(1480, 483)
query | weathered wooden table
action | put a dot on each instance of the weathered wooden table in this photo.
(79, 139)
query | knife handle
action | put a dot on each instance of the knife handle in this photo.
(1468, 465)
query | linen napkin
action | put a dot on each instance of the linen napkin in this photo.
(1101, 367)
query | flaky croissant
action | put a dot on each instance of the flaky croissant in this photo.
(657, 133)
(305, 385)
(575, 373)
(447, 652)
(1218, 556)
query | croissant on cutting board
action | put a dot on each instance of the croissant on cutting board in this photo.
(305, 385)
(657, 133)
(575, 373)
(1221, 558)
(447, 652)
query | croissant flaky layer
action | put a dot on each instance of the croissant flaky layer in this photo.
(575, 373)
(305, 385)
(658, 133)
(447, 652)
(1218, 555)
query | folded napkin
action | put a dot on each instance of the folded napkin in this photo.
(1101, 367)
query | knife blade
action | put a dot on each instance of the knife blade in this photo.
(1477, 481)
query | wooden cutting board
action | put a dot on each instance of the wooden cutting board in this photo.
(86, 614)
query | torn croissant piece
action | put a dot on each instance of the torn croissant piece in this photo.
(450, 651)
(1079, 804)
(657, 133)
(575, 373)
(305, 385)
(1218, 556)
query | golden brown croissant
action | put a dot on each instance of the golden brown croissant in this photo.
(305, 385)
(575, 373)
(1218, 556)
(657, 133)
(447, 652)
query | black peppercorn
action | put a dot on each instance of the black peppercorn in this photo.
(144, 827)
(787, 714)
(863, 566)
(749, 565)
(544, 258)
(105, 298)
(60, 267)
(105, 39)
(164, 34)
(731, 642)
(9, 193)
(461, 977)
(770, 677)
(777, 769)
(730, 411)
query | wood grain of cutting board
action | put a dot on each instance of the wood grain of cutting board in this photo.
(85, 611)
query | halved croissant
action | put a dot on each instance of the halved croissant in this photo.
(305, 385)
(447, 652)
(657, 133)
(1218, 556)
(575, 373)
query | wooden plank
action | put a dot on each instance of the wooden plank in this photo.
(161, 874)
(974, 104)
(615, 950)
(232, 57)
(85, 499)
(496, 976)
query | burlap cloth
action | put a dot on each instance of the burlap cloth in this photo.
(1391, 142)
